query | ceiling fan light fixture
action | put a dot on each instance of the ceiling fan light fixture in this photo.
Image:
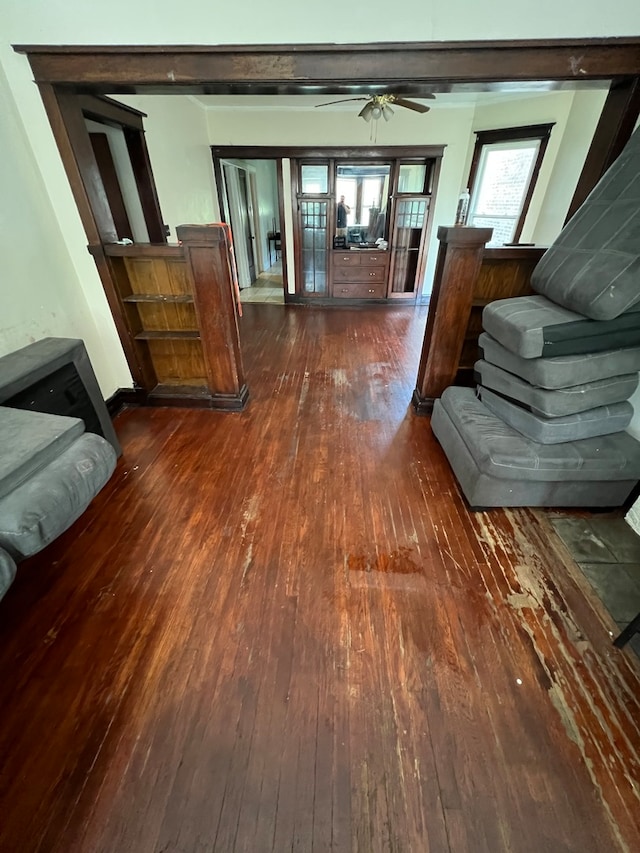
(366, 111)
(376, 111)
(387, 112)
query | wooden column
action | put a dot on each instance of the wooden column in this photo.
(206, 252)
(457, 268)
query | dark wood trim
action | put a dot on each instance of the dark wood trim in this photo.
(106, 109)
(457, 267)
(168, 396)
(615, 126)
(180, 398)
(307, 152)
(125, 397)
(137, 250)
(67, 122)
(206, 252)
(138, 67)
(136, 142)
(219, 179)
(297, 299)
(518, 252)
(284, 255)
(513, 134)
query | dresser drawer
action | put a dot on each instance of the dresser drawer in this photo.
(364, 274)
(359, 289)
(346, 259)
(376, 259)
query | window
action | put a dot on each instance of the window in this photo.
(503, 174)
(314, 179)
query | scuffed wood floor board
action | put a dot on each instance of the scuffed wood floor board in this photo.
(283, 630)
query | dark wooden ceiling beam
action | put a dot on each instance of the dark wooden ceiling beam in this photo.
(162, 67)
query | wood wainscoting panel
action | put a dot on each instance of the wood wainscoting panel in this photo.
(178, 362)
(158, 275)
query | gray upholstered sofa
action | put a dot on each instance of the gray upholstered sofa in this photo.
(546, 424)
(51, 467)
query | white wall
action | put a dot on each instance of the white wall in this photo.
(580, 126)
(40, 293)
(574, 116)
(176, 134)
(267, 189)
(197, 22)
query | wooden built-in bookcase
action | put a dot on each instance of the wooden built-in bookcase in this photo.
(179, 309)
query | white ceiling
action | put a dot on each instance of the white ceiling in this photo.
(447, 100)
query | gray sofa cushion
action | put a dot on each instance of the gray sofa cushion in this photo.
(47, 503)
(594, 265)
(533, 326)
(484, 490)
(29, 441)
(604, 420)
(7, 571)
(500, 451)
(559, 402)
(562, 371)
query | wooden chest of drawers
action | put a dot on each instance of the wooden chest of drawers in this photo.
(359, 274)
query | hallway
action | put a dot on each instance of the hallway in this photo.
(267, 287)
(283, 630)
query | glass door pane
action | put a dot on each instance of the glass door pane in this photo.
(408, 226)
(313, 228)
(314, 179)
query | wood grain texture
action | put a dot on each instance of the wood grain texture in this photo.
(282, 629)
(108, 67)
(457, 266)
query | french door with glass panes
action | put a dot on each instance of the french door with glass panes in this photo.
(410, 217)
(313, 230)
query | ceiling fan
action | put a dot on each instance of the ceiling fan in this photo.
(379, 106)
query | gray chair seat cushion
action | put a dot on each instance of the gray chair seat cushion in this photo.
(501, 451)
(561, 401)
(603, 420)
(50, 501)
(29, 441)
(7, 571)
(594, 265)
(562, 371)
(533, 326)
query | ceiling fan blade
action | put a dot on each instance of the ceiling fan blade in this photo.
(412, 105)
(343, 101)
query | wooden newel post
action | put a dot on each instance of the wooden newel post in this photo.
(206, 252)
(457, 268)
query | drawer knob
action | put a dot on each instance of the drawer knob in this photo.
(372, 274)
(345, 290)
(371, 290)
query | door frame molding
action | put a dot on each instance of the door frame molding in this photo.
(64, 73)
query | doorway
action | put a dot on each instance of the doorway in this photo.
(250, 199)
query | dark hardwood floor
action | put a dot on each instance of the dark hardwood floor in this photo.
(282, 630)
